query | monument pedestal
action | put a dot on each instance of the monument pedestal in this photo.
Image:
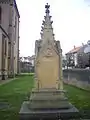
(47, 104)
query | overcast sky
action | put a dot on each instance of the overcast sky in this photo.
(71, 23)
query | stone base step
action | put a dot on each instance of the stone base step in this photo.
(27, 114)
(48, 99)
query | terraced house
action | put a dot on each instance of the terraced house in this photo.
(9, 38)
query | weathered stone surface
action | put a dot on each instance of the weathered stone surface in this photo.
(4, 105)
(47, 104)
(27, 114)
(48, 99)
(48, 63)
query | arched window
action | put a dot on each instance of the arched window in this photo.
(0, 14)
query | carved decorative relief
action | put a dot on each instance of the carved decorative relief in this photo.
(37, 63)
(48, 52)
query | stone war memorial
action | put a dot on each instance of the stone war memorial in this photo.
(47, 98)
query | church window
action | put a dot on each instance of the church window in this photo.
(4, 40)
(0, 14)
(15, 27)
(5, 47)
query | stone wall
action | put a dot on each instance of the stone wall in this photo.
(3, 54)
(77, 77)
(5, 16)
(16, 39)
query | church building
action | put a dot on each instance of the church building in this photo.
(9, 39)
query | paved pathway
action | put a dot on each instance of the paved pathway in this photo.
(6, 81)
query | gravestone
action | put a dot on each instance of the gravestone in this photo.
(47, 98)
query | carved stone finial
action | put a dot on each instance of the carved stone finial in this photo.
(47, 8)
(41, 33)
(51, 22)
(43, 22)
(42, 27)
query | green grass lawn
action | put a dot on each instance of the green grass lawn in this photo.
(15, 92)
(80, 98)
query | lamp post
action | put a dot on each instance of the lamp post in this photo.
(87, 51)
